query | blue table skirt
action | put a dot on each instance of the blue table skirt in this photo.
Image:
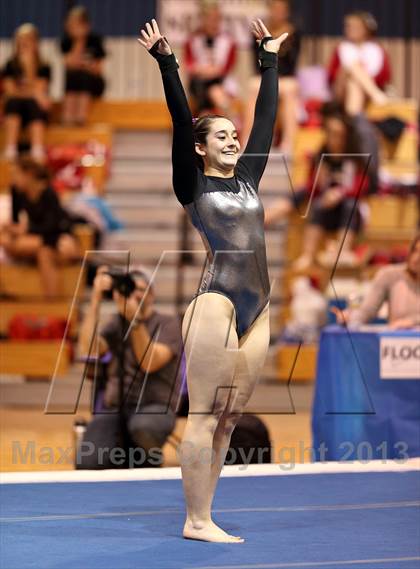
(356, 414)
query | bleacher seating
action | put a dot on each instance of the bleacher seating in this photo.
(57, 308)
(392, 219)
(58, 135)
(297, 363)
(34, 359)
(23, 281)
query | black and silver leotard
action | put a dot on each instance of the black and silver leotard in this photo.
(227, 212)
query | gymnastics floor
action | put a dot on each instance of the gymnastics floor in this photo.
(331, 515)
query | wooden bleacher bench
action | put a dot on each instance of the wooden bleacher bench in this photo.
(135, 114)
(308, 141)
(33, 358)
(303, 369)
(98, 174)
(392, 213)
(386, 238)
(23, 281)
(84, 234)
(57, 135)
(58, 308)
(404, 109)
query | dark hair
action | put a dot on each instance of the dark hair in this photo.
(368, 20)
(35, 169)
(140, 274)
(201, 128)
(335, 110)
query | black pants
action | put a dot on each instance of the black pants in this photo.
(138, 444)
(338, 217)
(80, 81)
(27, 109)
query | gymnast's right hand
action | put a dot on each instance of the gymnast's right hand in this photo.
(152, 36)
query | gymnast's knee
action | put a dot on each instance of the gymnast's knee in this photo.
(204, 423)
(230, 420)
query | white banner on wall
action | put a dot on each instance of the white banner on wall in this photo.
(399, 358)
(178, 18)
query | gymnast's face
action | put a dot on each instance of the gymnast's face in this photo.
(222, 146)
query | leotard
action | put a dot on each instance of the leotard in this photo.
(227, 212)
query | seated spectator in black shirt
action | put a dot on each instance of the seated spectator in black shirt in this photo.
(40, 228)
(26, 78)
(83, 56)
(150, 355)
(278, 23)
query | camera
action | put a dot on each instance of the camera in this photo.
(122, 281)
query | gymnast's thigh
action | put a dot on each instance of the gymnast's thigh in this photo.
(211, 348)
(253, 347)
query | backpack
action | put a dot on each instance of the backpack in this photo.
(250, 442)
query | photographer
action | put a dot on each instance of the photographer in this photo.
(143, 369)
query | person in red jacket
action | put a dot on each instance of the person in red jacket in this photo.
(210, 56)
(359, 70)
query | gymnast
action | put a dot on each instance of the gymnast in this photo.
(225, 328)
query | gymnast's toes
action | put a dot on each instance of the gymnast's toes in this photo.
(208, 531)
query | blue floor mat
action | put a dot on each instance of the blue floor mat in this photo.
(364, 520)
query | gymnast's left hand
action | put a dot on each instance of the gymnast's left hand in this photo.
(260, 31)
(152, 35)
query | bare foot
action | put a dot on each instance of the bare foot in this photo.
(208, 531)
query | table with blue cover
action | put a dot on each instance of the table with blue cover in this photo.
(357, 415)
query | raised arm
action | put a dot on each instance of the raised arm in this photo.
(184, 167)
(256, 152)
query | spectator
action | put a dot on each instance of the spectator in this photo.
(83, 56)
(279, 22)
(364, 138)
(210, 56)
(399, 285)
(40, 228)
(337, 179)
(151, 356)
(25, 82)
(359, 69)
